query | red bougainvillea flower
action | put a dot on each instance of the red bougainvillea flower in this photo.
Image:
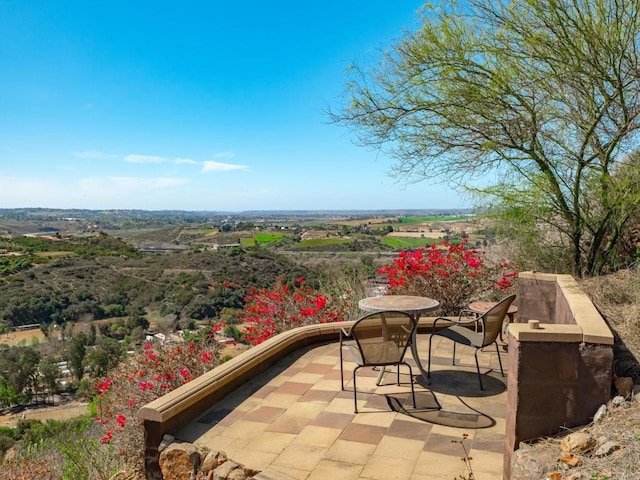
(275, 310)
(452, 274)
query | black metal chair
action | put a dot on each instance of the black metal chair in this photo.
(378, 339)
(474, 330)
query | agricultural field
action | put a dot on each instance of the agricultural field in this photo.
(402, 242)
(263, 239)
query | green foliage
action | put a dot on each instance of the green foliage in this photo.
(104, 356)
(231, 331)
(49, 373)
(14, 264)
(526, 244)
(266, 238)
(75, 353)
(84, 459)
(6, 442)
(18, 373)
(81, 455)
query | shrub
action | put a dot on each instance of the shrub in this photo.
(143, 378)
(281, 308)
(454, 275)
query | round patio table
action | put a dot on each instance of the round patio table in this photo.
(411, 304)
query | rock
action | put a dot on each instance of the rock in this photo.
(554, 476)
(617, 400)
(179, 461)
(571, 460)
(575, 476)
(237, 474)
(607, 449)
(213, 460)
(624, 386)
(601, 412)
(577, 442)
(224, 470)
(533, 463)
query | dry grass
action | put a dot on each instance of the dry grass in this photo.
(617, 297)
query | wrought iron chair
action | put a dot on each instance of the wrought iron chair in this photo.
(473, 330)
(378, 339)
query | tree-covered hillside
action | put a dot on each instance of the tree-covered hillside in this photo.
(61, 282)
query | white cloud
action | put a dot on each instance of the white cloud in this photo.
(228, 154)
(144, 159)
(181, 161)
(211, 166)
(151, 183)
(95, 154)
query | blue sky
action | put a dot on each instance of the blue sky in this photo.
(195, 105)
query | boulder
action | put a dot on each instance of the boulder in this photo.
(607, 449)
(578, 442)
(179, 461)
(213, 460)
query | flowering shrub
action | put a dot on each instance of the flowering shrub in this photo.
(146, 376)
(454, 275)
(282, 308)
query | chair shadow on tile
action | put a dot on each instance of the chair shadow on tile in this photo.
(429, 410)
(463, 383)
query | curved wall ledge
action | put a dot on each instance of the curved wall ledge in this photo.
(191, 400)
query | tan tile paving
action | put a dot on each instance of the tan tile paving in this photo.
(296, 421)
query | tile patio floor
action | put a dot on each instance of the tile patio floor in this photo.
(295, 421)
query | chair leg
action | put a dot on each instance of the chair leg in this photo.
(499, 359)
(355, 398)
(398, 371)
(478, 369)
(341, 368)
(453, 359)
(429, 359)
(413, 390)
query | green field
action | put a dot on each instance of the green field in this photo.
(409, 242)
(269, 237)
(262, 239)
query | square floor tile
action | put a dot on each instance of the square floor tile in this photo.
(363, 433)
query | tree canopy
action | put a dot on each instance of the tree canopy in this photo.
(543, 95)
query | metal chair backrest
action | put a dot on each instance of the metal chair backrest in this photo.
(493, 319)
(382, 338)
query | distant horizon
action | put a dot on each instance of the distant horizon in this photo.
(214, 107)
(253, 211)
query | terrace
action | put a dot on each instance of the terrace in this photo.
(279, 408)
(294, 420)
